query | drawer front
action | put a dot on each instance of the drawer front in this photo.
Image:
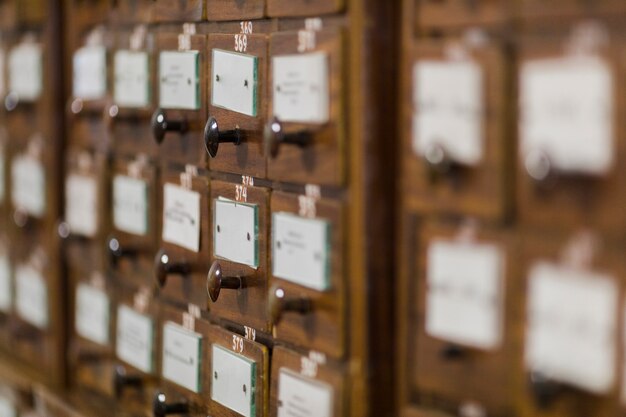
(226, 10)
(304, 383)
(183, 260)
(458, 14)
(457, 162)
(280, 8)
(179, 11)
(237, 102)
(133, 11)
(240, 230)
(178, 127)
(307, 293)
(304, 136)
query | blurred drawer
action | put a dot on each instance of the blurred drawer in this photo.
(307, 299)
(457, 151)
(185, 364)
(556, 10)
(134, 79)
(178, 123)
(133, 11)
(304, 136)
(179, 10)
(574, 310)
(570, 135)
(181, 265)
(279, 8)
(436, 15)
(237, 282)
(306, 384)
(464, 342)
(234, 132)
(7, 296)
(134, 219)
(239, 375)
(241, 10)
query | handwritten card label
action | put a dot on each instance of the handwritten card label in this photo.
(572, 326)
(90, 73)
(299, 396)
(81, 204)
(181, 356)
(130, 205)
(235, 82)
(301, 88)
(92, 314)
(465, 297)
(26, 71)
(132, 79)
(135, 335)
(28, 185)
(567, 111)
(234, 381)
(181, 217)
(301, 250)
(179, 80)
(235, 232)
(449, 109)
(31, 296)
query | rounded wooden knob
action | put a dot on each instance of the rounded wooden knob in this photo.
(279, 303)
(121, 381)
(163, 266)
(160, 407)
(539, 166)
(116, 251)
(216, 281)
(437, 159)
(11, 100)
(161, 125)
(275, 136)
(213, 137)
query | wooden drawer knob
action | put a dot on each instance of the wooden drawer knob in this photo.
(161, 125)
(213, 137)
(279, 303)
(275, 136)
(216, 281)
(163, 266)
(160, 407)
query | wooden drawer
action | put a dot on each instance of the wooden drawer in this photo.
(86, 194)
(279, 8)
(244, 390)
(462, 341)
(306, 383)
(458, 161)
(570, 138)
(135, 190)
(574, 292)
(225, 10)
(307, 299)
(178, 123)
(179, 10)
(433, 15)
(304, 136)
(237, 103)
(186, 385)
(181, 265)
(93, 309)
(134, 77)
(137, 344)
(133, 11)
(535, 10)
(240, 230)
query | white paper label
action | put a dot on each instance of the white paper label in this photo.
(130, 205)
(448, 100)
(179, 80)
(234, 384)
(28, 185)
(7, 408)
(91, 317)
(26, 71)
(81, 204)
(90, 73)
(235, 231)
(303, 397)
(6, 286)
(181, 356)
(31, 296)
(235, 82)
(567, 113)
(464, 300)
(301, 250)
(301, 88)
(572, 325)
(181, 217)
(132, 79)
(135, 333)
